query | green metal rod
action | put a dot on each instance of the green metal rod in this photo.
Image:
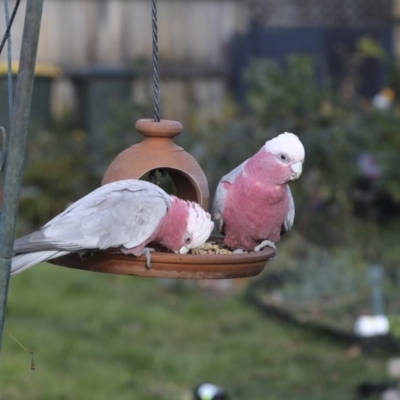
(17, 146)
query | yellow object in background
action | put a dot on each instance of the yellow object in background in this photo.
(41, 69)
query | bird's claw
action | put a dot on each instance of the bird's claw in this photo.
(239, 251)
(263, 244)
(258, 248)
(83, 254)
(147, 252)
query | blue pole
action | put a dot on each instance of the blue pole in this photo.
(17, 146)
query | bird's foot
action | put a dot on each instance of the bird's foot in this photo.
(263, 244)
(239, 251)
(81, 254)
(84, 253)
(147, 252)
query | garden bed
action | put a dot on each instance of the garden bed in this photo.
(334, 316)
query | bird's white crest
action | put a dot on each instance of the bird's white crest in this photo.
(199, 226)
(287, 143)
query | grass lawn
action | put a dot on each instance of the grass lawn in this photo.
(99, 336)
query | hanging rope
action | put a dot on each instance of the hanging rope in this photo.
(7, 32)
(9, 63)
(156, 86)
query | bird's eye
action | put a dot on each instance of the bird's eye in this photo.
(283, 157)
(188, 240)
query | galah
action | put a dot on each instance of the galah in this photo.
(253, 205)
(120, 216)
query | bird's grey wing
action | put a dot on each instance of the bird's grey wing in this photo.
(220, 196)
(124, 213)
(288, 222)
(231, 176)
(218, 206)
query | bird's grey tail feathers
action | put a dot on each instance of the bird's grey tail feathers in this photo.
(21, 262)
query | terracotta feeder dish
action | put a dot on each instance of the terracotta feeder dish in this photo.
(157, 151)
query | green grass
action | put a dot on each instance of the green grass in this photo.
(98, 336)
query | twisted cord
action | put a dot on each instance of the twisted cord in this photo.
(9, 64)
(7, 32)
(156, 86)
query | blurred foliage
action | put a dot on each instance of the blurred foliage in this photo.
(56, 173)
(326, 288)
(337, 273)
(394, 321)
(334, 276)
(332, 124)
(369, 47)
(120, 131)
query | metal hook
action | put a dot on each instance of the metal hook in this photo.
(3, 153)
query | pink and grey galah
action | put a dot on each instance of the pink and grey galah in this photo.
(121, 216)
(253, 205)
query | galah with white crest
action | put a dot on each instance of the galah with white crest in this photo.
(124, 215)
(253, 205)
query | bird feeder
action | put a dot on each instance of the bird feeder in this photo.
(158, 151)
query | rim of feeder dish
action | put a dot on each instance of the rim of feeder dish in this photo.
(171, 265)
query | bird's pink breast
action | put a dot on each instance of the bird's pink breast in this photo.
(172, 229)
(254, 211)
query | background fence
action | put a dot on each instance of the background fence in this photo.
(204, 44)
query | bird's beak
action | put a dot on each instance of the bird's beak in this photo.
(183, 250)
(297, 169)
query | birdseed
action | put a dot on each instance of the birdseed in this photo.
(212, 248)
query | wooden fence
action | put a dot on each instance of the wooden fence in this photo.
(193, 39)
